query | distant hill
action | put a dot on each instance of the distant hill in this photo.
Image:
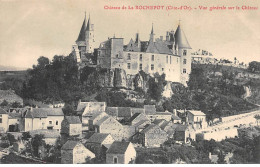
(11, 68)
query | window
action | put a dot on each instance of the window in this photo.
(129, 65)
(115, 160)
(140, 67)
(167, 59)
(57, 123)
(184, 52)
(162, 69)
(1, 119)
(152, 67)
(129, 56)
(141, 57)
(117, 56)
(184, 61)
(184, 70)
(152, 57)
(50, 122)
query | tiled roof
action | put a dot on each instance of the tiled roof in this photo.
(2, 111)
(14, 115)
(181, 127)
(112, 111)
(159, 121)
(137, 110)
(175, 117)
(98, 138)
(162, 47)
(163, 113)
(39, 113)
(150, 127)
(140, 123)
(81, 106)
(73, 119)
(69, 145)
(118, 147)
(102, 120)
(124, 112)
(134, 116)
(149, 109)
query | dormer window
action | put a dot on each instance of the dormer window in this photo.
(152, 57)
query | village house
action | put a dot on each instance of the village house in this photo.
(99, 143)
(151, 136)
(3, 121)
(74, 152)
(90, 109)
(120, 152)
(13, 122)
(41, 118)
(139, 120)
(126, 113)
(71, 126)
(197, 119)
(184, 133)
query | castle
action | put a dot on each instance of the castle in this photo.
(170, 56)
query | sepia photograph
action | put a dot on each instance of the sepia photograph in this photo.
(129, 82)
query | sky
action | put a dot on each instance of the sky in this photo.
(32, 28)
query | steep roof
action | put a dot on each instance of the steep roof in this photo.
(73, 119)
(2, 111)
(180, 39)
(118, 147)
(150, 127)
(88, 24)
(134, 116)
(81, 105)
(14, 115)
(124, 112)
(82, 34)
(175, 117)
(40, 112)
(98, 138)
(70, 145)
(181, 127)
(149, 109)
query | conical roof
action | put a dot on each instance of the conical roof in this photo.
(82, 34)
(88, 24)
(180, 39)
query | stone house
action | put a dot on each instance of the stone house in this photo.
(98, 143)
(90, 109)
(3, 121)
(41, 118)
(151, 136)
(139, 121)
(197, 119)
(71, 126)
(74, 152)
(184, 133)
(120, 152)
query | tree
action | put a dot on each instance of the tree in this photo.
(257, 117)
(26, 136)
(254, 66)
(11, 139)
(221, 158)
(37, 141)
(16, 105)
(4, 103)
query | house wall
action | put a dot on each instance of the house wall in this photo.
(13, 121)
(39, 123)
(4, 123)
(112, 127)
(54, 119)
(75, 129)
(80, 153)
(120, 158)
(108, 141)
(187, 66)
(130, 154)
(28, 124)
(155, 138)
(67, 156)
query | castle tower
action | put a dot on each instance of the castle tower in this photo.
(89, 37)
(183, 49)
